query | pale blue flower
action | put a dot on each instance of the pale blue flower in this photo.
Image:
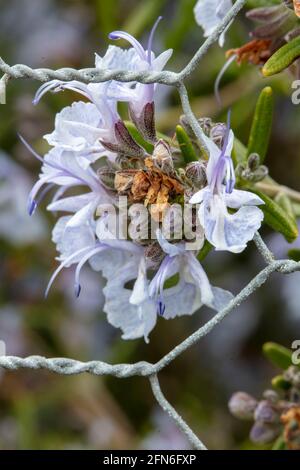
(63, 169)
(223, 229)
(78, 244)
(209, 14)
(135, 311)
(141, 96)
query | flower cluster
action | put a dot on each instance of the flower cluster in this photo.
(276, 416)
(97, 160)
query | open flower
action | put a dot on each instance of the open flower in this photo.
(94, 129)
(223, 229)
(209, 14)
(62, 169)
(82, 242)
(141, 96)
(135, 311)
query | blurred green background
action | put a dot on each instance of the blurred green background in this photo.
(39, 410)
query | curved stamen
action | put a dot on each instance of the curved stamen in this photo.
(64, 264)
(45, 162)
(42, 90)
(77, 285)
(30, 148)
(56, 86)
(156, 288)
(223, 164)
(150, 41)
(62, 171)
(219, 78)
(135, 44)
(43, 193)
(230, 178)
(32, 203)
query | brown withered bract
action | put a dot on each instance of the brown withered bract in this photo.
(140, 186)
(297, 7)
(124, 180)
(291, 420)
(256, 52)
(150, 186)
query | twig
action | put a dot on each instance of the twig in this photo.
(180, 423)
(211, 40)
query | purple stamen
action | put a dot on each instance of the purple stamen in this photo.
(127, 37)
(32, 205)
(161, 308)
(77, 290)
(61, 171)
(224, 167)
(150, 41)
(30, 148)
(230, 183)
(65, 263)
(99, 247)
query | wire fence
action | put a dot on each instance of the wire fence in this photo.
(66, 366)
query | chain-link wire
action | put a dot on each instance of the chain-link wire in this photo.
(66, 366)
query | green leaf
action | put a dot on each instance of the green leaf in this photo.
(186, 146)
(277, 218)
(239, 152)
(278, 355)
(138, 138)
(143, 16)
(172, 281)
(285, 202)
(262, 124)
(282, 58)
(280, 383)
(294, 254)
(279, 444)
(205, 250)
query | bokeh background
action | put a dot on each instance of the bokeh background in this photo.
(40, 410)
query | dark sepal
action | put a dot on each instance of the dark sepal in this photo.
(125, 143)
(145, 123)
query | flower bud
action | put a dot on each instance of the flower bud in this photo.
(218, 133)
(107, 176)
(240, 170)
(196, 172)
(242, 406)
(260, 174)
(264, 433)
(292, 375)
(253, 161)
(206, 125)
(271, 396)
(154, 253)
(162, 156)
(266, 412)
